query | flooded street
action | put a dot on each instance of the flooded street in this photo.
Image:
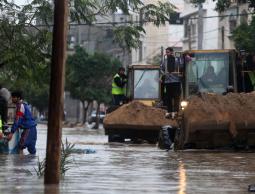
(126, 168)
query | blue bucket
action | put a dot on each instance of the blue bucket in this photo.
(12, 146)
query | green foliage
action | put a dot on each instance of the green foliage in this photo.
(24, 52)
(96, 73)
(251, 4)
(25, 47)
(196, 2)
(40, 167)
(158, 14)
(128, 36)
(65, 162)
(221, 5)
(85, 10)
(244, 37)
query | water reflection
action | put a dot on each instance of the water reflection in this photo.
(182, 178)
(130, 169)
(51, 189)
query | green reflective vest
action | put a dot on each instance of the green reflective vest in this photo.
(1, 125)
(116, 90)
(252, 78)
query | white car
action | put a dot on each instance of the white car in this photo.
(92, 117)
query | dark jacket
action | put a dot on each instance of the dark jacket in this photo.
(167, 67)
(120, 81)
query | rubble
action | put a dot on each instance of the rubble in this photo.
(137, 115)
(236, 111)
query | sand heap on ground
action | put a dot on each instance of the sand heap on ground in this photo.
(137, 115)
(236, 111)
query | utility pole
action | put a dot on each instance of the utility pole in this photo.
(88, 37)
(162, 54)
(52, 169)
(200, 27)
(189, 35)
(141, 43)
(223, 37)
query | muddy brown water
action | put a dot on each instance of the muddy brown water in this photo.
(126, 168)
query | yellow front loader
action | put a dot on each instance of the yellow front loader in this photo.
(217, 114)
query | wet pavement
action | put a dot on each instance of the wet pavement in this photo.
(127, 168)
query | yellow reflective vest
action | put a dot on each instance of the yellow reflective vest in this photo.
(116, 90)
(252, 78)
(1, 125)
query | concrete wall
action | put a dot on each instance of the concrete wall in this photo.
(99, 38)
(225, 40)
(210, 30)
(157, 37)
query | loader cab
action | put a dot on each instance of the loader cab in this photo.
(143, 83)
(210, 71)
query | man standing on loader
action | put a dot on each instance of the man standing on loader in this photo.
(171, 83)
(118, 87)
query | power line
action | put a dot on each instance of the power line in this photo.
(143, 21)
(166, 34)
(222, 16)
(155, 51)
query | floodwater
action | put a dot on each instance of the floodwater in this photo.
(126, 168)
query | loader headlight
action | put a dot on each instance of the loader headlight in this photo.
(184, 104)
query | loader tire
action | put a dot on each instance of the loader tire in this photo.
(179, 136)
(164, 141)
(179, 139)
(115, 138)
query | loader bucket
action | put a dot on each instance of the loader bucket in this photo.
(135, 120)
(213, 121)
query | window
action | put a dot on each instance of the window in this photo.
(193, 29)
(244, 17)
(232, 23)
(186, 28)
(208, 72)
(146, 84)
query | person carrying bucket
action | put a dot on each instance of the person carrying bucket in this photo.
(24, 121)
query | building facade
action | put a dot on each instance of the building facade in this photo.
(206, 31)
(156, 38)
(99, 37)
(236, 14)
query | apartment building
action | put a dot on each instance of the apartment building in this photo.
(236, 14)
(206, 31)
(99, 37)
(159, 37)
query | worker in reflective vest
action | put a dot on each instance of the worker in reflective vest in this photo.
(252, 78)
(118, 87)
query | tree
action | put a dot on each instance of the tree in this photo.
(96, 73)
(25, 35)
(243, 35)
(24, 56)
(221, 5)
(86, 11)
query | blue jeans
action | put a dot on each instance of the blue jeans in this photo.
(28, 140)
(117, 99)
